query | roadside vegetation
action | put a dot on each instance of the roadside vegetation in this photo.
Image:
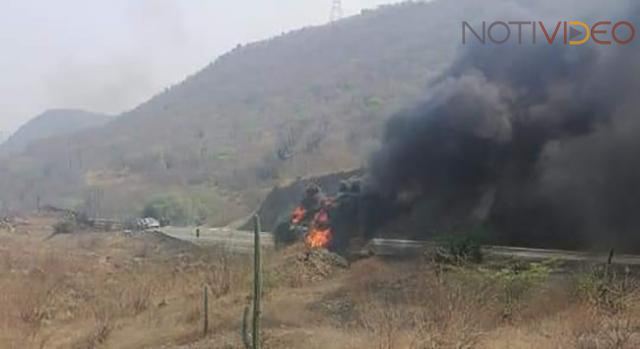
(187, 208)
(97, 290)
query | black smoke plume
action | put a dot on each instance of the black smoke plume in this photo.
(539, 142)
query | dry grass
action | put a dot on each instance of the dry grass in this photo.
(422, 309)
(426, 306)
(112, 291)
(90, 291)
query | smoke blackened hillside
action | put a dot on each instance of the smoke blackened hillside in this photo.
(550, 134)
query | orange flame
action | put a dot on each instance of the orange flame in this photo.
(298, 215)
(318, 238)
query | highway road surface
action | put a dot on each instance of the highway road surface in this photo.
(242, 242)
(233, 240)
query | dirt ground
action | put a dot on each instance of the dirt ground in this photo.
(116, 290)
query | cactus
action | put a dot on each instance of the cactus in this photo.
(253, 341)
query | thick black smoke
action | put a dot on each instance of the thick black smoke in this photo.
(539, 142)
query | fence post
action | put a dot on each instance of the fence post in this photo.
(246, 337)
(206, 310)
(257, 283)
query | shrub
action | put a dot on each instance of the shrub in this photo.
(168, 210)
(517, 280)
(186, 208)
(604, 288)
(64, 227)
(462, 248)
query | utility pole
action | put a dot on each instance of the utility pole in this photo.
(336, 10)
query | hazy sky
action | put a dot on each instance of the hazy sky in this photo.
(111, 55)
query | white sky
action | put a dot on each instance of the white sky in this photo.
(110, 55)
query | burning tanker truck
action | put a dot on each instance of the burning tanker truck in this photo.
(322, 221)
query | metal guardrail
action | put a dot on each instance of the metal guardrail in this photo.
(391, 248)
(242, 242)
(107, 224)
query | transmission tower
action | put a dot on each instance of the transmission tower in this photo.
(336, 10)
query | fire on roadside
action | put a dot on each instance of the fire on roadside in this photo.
(319, 234)
(318, 238)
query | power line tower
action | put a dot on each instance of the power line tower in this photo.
(336, 10)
